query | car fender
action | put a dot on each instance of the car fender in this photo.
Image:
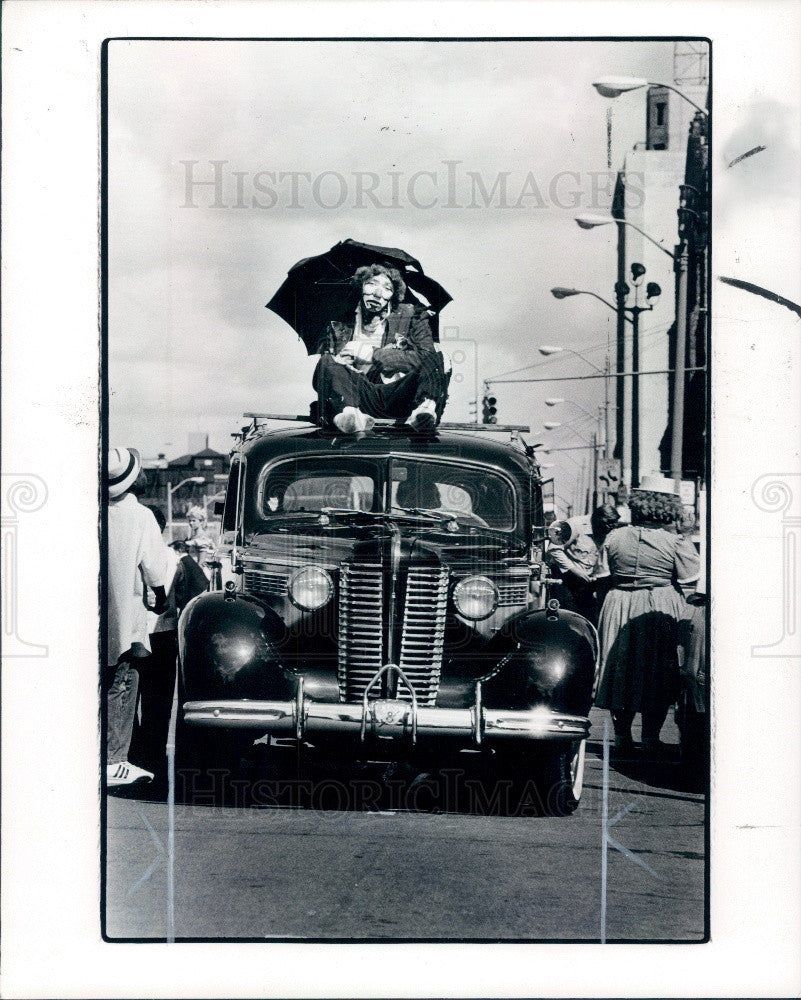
(228, 648)
(543, 657)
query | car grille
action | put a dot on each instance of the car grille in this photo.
(361, 629)
(513, 593)
(262, 581)
(424, 631)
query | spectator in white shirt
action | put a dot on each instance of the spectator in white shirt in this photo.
(136, 558)
(157, 675)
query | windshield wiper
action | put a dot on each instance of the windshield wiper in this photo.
(434, 518)
(437, 516)
(409, 514)
(374, 515)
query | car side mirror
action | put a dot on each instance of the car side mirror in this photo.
(219, 507)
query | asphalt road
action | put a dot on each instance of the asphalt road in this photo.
(377, 855)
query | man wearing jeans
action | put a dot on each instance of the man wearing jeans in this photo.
(136, 557)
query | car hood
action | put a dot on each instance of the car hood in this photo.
(428, 544)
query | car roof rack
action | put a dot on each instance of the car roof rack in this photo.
(257, 418)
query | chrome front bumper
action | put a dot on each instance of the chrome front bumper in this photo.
(387, 718)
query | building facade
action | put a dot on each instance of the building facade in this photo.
(662, 190)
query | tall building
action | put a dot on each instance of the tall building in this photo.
(653, 172)
(694, 236)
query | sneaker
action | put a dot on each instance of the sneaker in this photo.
(352, 421)
(124, 773)
(424, 417)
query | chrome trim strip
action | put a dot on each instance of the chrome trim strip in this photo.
(392, 653)
(537, 723)
(300, 713)
(239, 513)
(478, 735)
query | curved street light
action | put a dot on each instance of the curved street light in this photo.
(591, 221)
(569, 402)
(614, 86)
(563, 293)
(570, 426)
(170, 491)
(548, 349)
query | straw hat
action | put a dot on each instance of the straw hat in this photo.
(124, 465)
(654, 483)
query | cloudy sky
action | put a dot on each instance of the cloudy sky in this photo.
(393, 143)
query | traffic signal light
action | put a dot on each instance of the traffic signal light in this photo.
(489, 409)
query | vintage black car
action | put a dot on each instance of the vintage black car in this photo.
(384, 595)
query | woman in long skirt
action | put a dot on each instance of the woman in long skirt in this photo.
(651, 568)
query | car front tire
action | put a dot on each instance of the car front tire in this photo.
(561, 777)
(208, 760)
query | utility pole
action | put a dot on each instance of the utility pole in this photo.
(607, 427)
(681, 259)
(635, 391)
(621, 288)
(652, 292)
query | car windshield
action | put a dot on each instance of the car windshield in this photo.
(313, 485)
(473, 496)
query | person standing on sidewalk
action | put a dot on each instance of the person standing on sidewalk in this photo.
(157, 675)
(136, 558)
(652, 568)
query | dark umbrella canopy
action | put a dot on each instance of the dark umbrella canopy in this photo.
(318, 289)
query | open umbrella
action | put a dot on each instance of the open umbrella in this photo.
(318, 289)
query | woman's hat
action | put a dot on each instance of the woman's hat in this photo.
(124, 465)
(656, 484)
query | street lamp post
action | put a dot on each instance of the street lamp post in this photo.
(569, 402)
(548, 349)
(591, 221)
(614, 86)
(621, 290)
(591, 493)
(653, 291)
(170, 491)
(600, 445)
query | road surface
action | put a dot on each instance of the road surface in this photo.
(438, 856)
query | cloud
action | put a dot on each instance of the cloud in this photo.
(190, 343)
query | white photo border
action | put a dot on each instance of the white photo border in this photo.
(51, 431)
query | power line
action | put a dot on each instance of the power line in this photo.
(645, 333)
(581, 378)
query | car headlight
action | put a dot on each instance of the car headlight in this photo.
(476, 597)
(310, 588)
